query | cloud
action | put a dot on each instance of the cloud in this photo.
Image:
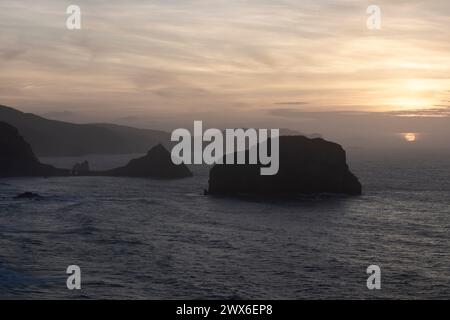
(291, 103)
(231, 60)
(441, 111)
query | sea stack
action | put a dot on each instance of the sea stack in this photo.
(156, 164)
(17, 158)
(81, 168)
(307, 166)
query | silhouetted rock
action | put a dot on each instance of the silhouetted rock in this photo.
(314, 136)
(81, 168)
(156, 164)
(28, 195)
(17, 158)
(307, 166)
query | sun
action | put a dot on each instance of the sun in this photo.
(410, 137)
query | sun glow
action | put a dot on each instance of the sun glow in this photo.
(410, 103)
(410, 137)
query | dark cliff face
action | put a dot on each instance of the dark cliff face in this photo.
(17, 158)
(156, 164)
(307, 166)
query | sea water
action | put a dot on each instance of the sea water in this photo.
(153, 239)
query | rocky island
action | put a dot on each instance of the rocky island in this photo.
(17, 159)
(307, 166)
(157, 163)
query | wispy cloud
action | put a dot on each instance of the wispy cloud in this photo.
(291, 103)
(441, 111)
(169, 58)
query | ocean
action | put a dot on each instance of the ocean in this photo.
(152, 239)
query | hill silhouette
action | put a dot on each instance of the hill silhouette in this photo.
(52, 138)
(17, 158)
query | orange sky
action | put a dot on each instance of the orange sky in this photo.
(153, 63)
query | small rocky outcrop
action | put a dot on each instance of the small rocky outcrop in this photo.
(81, 168)
(29, 195)
(307, 166)
(156, 164)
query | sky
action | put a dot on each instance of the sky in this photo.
(308, 65)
